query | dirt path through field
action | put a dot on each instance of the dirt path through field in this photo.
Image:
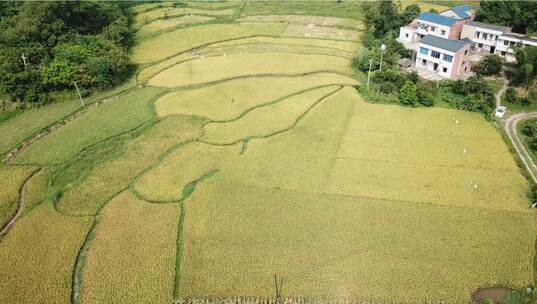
(511, 130)
(22, 197)
(502, 90)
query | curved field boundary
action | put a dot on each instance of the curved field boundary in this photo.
(80, 259)
(350, 54)
(199, 47)
(10, 156)
(299, 118)
(20, 208)
(268, 75)
(140, 36)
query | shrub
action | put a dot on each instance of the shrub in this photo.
(532, 95)
(425, 98)
(489, 65)
(408, 94)
(511, 95)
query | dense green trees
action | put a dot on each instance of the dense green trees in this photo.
(520, 15)
(62, 42)
(525, 69)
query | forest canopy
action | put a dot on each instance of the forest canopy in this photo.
(62, 42)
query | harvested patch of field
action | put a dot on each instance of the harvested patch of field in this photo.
(180, 40)
(132, 256)
(167, 181)
(344, 9)
(347, 46)
(11, 179)
(328, 246)
(164, 24)
(211, 69)
(228, 100)
(169, 12)
(307, 20)
(313, 31)
(37, 189)
(37, 256)
(114, 175)
(267, 120)
(112, 118)
(17, 129)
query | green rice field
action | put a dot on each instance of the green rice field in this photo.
(241, 150)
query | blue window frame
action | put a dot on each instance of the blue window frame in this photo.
(435, 54)
(448, 58)
(424, 51)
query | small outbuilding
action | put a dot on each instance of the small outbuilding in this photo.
(405, 63)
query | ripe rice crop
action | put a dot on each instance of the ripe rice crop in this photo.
(11, 179)
(302, 158)
(163, 24)
(37, 190)
(296, 30)
(344, 247)
(261, 48)
(167, 181)
(266, 120)
(394, 152)
(114, 175)
(347, 46)
(38, 254)
(109, 119)
(228, 100)
(180, 40)
(210, 69)
(132, 256)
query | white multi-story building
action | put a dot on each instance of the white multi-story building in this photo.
(495, 39)
(443, 57)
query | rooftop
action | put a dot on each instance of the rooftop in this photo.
(462, 10)
(438, 19)
(446, 44)
(493, 27)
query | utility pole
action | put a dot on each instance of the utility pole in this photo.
(369, 74)
(24, 60)
(382, 49)
(80, 96)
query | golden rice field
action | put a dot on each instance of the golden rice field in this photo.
(213, 69)
(241, 150)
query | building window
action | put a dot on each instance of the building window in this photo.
(505, 42)
(480, 45)
(477, 34)
(448, 58)
(444, 70)
(433, 28)
(423, 62)
(435, 54)
(497, 38)
(465, 69)
(424, 51)
(503, 53)
(406, 35)
(484, 35)
(466, 52)
(443, 32)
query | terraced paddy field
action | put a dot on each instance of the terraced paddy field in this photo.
(236, 154)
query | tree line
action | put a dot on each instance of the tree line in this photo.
(46, 46)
